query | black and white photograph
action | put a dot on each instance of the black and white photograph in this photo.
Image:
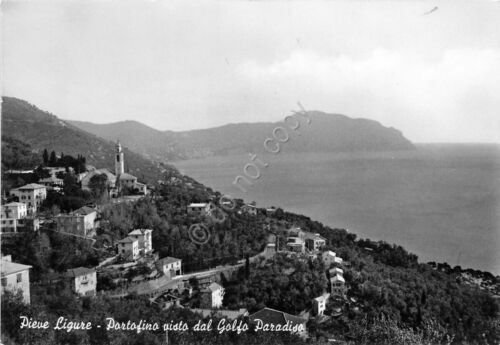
(254, 172)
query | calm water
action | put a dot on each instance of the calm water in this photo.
(441, 202)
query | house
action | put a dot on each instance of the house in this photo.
(52, 182)
(221, 313)
(249, 209)
(15, 277)
(32, 195)
(12, 214)
(197, 208)
(295, 244)
(271, 210)
(319, 304)
(314, 242)
(14, 210)
(145, 240)
(212, 296)
(268, 316)
(334, 271)
(129, 248)
(337, 285)
(83, 280)
(171, 267)
(126, 180)
(81, 222)
(328, 258)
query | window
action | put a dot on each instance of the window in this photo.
(19, 277)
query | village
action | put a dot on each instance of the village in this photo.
(130, 266)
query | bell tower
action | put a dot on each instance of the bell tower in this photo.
(119, 163)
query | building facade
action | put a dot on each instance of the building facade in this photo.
(32, 195)
(129, 248)
(16, 277)
(170, 267)
(80, 222)
(212, 296)
(83, 280)
(314, 242)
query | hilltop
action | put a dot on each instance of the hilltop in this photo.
(325, 133)
(24, 122)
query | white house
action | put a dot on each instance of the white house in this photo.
(295, 244)
(337, 284)
(53, 182)
(81, 222)
(197, 208)
(126, 180)
(249, 209)
(314, 242)
(319, 304)
(212, 296)
(15, 277)
(83, 280)
(335, 271)
(129, 248)
(12, 213)
(145, 240)
(171, 267)
(328, 257)
(16, 210)
(32, 195)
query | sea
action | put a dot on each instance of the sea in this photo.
(440, 201)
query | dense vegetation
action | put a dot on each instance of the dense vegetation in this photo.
(39, 129)
(392, 298)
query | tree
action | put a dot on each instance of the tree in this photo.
(45, 157)
(98, 185)
(52, 159)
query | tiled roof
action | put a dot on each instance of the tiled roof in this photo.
(200, 204)
(268, 315)
(313, 236)
(51, 179)
(31, 186)
(126, 176)
(138, 232)
(168, 260)
(9, 267)
(127, 240)
(83, 211)
(213, 287)
(79, 271)
(337, 277)
(229, 314)
(15, 203)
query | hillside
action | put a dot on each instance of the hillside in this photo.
(325, 133)
(138, 137)
(24, 122)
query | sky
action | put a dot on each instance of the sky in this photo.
(180, 65)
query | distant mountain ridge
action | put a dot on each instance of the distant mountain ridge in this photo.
(39, 129)
(325, 133)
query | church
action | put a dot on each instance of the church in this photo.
(119, 182)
